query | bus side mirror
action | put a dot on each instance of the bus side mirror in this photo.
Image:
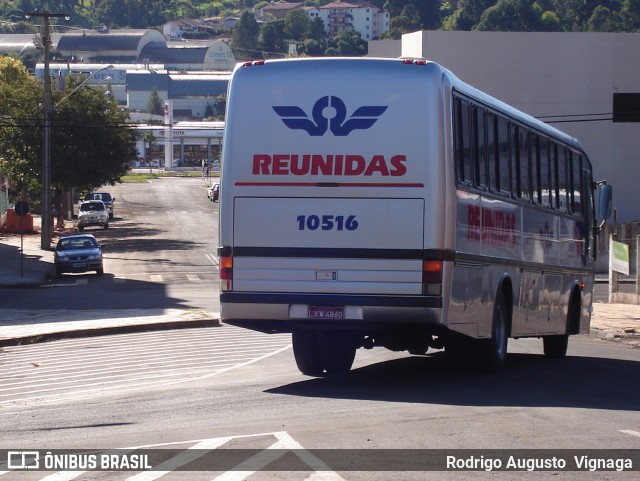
(604, 204)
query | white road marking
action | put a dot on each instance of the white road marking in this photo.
(73, 368)
(200, 447)
(214, 260)
(182, 459)
(265, 457)
(630, 433)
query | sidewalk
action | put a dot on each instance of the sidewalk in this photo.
(615, 322)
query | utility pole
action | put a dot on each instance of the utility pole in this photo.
(45, 240)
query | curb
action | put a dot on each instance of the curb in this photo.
(630, 337)
(100, 331)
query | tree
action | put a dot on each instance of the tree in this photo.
(245, 36)
(312, 48)
(347, 43)
(296, 24)
(155, 105)
(220, 106)
(21, 132)
(128, 13)
(91, 144)
(511, 16)
(427, 12)
(466, 14)
(631, 15)
(408, 21)
(550, 22)
(272, 38)
(574, 15)
(316, 30)
(208, 111)
(604, 20)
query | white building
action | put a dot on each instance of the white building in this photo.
(177, 28)
(365, 18)
(569, 80)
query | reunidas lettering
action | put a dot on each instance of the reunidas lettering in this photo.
(315, 164)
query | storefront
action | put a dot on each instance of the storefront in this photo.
(192, 145)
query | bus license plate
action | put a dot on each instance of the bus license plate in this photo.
(320, 312)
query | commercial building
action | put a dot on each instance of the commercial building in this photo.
(585, 84)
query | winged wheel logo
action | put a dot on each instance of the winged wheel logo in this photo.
(329, 113)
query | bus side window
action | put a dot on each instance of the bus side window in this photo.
(463, 142)
(493, 162)
(520, 147)
(563, 178)
(525, 165)
(504, 168)
(576, 183)
(534, 149)
(546, 183)
(555, 180)
(480, 148)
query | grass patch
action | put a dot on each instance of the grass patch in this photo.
(137, 178)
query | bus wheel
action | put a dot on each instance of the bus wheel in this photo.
(306, 350)
(492, 353)
(555, 347)
(338, 351)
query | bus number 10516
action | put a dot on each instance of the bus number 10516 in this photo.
(327, 222)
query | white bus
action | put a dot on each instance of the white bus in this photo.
(383, 202)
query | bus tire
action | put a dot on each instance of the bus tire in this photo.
(492, 353)
(555, 347)
(306, 350)
(338, 351)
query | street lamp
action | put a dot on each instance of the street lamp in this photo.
(45, 239)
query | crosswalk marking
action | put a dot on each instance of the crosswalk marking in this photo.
(268, 456)
(74, 368)
(282, 444)
(182, 459)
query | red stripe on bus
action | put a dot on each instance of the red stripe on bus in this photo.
(322, 184)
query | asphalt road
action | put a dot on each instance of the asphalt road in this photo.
(160, 253)
(203, 389)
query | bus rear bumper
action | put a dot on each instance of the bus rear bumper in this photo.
(276, 312)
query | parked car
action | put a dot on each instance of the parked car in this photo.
(92, 213)
(213, 192)
(78, 253)
(104, 197)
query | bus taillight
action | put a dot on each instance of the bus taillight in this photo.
(432, 278)
(226, 273)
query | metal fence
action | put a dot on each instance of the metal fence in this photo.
(624, 287)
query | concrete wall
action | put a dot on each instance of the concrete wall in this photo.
(554, 76)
